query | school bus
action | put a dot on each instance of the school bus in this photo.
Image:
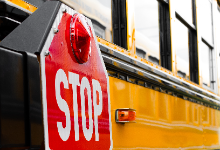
(163, 62)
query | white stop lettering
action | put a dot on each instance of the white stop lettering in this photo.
(64, 132)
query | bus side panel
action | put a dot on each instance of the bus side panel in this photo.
(162, 120)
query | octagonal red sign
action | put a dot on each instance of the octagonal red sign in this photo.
(75, 95)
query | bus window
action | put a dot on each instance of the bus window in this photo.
(152, 31)
(205, 57)
(217, 32)
(182, 50)
(206, 18)
(219, 73)
(141, 53)
(147, 30)
(184, 7)
(99, 11)
(185, 39)
(206, 49)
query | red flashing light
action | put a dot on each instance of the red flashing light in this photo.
(80, 38)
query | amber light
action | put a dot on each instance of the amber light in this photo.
(125, 115)
(80, 38)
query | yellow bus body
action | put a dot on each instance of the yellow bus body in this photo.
(162, 121)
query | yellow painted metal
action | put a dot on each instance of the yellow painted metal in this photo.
(124, 51)
(130, 26)
(24, 5)
(162, 120)
(113, 46)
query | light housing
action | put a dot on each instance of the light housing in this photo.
(125, 115)
(80, 38)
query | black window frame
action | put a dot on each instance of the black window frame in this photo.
(211, 73)
(164, 31)
(192, 34)
(119, 23)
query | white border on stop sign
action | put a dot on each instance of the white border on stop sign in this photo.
(43, 75)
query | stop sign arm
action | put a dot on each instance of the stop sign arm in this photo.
(33, 30)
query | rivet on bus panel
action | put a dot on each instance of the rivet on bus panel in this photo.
(64, 10)
(55, 30)
(47, 53)
(28, 6)
(98, 39)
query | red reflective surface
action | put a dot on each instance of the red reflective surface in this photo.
(80, 38)
(126, 115)
(61, 57)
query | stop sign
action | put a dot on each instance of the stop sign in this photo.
(76, 104)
